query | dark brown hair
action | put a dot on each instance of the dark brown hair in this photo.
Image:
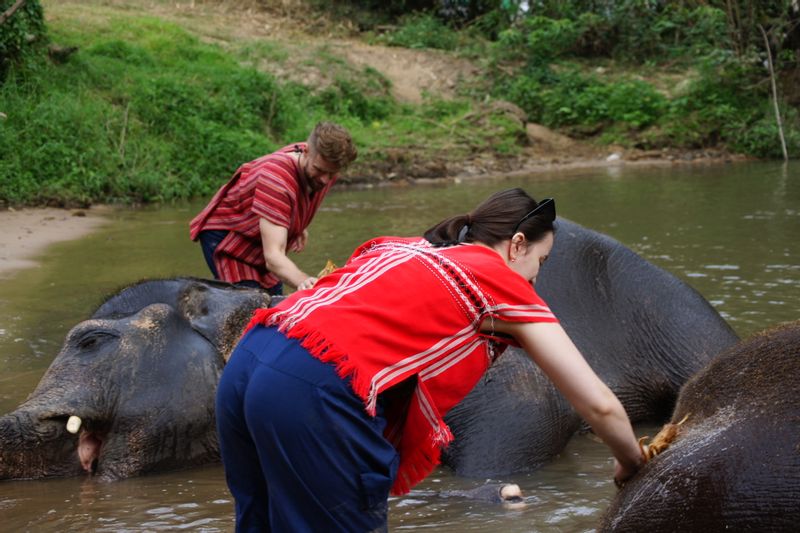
(495, 220)
(334, 143)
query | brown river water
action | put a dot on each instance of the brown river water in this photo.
(730, 231)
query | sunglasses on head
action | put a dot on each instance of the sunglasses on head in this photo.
(546, 209)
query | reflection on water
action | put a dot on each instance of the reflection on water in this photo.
(195, 500)
(729, 231)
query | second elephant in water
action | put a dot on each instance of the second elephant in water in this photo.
(733, 462)
(132, 389)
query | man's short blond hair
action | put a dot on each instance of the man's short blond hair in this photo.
(334, 143)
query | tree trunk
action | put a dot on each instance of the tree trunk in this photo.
(778, 119)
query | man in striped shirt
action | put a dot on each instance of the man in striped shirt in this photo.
(265, 210)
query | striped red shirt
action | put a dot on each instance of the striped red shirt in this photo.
(271, 188)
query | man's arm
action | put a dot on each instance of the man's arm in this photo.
(274, 240)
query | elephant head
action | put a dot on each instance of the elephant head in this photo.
(132, 388)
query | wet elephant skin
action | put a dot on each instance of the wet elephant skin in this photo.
(735, 462)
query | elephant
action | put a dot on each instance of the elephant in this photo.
(132, 389)
(644, 331)
(732, 457)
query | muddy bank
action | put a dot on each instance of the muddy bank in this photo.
(538, 149)
(407, 166)
(27, 232)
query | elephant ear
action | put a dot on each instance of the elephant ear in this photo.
(219, 312)
(133, 298)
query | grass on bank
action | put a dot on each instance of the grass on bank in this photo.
(146, 112)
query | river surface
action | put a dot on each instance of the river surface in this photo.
(730, 231)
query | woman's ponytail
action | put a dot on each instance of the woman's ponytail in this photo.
(497, 218)
(450, 231)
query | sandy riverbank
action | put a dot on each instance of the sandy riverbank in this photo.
(27, 232)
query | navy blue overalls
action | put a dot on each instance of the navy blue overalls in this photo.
(299, 450)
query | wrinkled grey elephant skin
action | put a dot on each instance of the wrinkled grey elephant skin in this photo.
(735, 463)
(141, 374)
(641, 329)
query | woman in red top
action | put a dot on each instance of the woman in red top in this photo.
(337, 395)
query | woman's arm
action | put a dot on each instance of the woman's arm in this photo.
(554, 352)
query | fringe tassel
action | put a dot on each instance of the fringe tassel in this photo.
(414, 467)
(417, 463)
(260, 318)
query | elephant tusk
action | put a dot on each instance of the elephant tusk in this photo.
(74, 424)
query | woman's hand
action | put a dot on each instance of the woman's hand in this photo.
(622, 473)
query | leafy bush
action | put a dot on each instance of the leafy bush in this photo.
(21, 34)
(704, 29)
(714, 105)
(344, 98)
(570, 98)
(423, 30)
(762, 139)
(633, 30)
(538, 40)
(546, 38)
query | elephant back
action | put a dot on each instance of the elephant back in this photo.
(734, 463)
(643, 330)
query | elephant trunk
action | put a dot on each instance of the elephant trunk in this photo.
(31, 448)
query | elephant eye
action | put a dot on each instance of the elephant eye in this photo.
(93, 339)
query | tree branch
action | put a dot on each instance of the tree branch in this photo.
(774, 93)
(11, 10)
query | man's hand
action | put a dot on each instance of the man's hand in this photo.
(307, 283)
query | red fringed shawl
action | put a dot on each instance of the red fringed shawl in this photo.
(402, 308)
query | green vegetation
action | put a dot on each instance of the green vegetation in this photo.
(422, 30)
(22, 33)
(147, 111)
(545, 60)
